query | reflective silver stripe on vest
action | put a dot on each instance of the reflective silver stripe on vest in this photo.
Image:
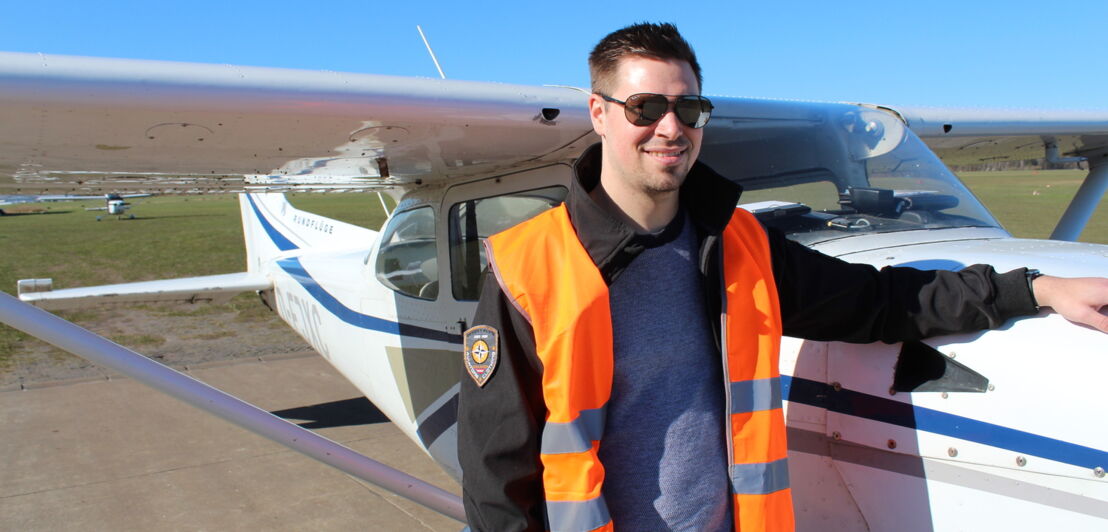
(577, 435)
(756, 395)
(760, 479)
(566, 516)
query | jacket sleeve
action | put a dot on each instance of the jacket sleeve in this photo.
(499, 425)
(825, 298)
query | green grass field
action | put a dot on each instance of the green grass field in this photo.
(1029, 203)
(181, 236)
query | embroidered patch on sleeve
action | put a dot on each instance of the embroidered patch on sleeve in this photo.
(482, 351)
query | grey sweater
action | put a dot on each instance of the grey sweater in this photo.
(663, 449)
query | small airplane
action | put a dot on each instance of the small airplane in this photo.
(116, 204)
(993, 430)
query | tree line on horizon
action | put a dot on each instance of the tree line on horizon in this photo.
(1022, 164)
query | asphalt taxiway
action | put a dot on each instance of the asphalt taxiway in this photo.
(113, 454)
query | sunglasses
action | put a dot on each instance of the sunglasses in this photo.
(646, 108)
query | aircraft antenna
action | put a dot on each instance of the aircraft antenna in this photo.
(430, 51)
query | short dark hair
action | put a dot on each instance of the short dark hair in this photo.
(657, 41)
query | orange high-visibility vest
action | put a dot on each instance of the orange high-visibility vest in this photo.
(549, 277)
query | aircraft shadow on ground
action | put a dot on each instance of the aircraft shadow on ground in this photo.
(36, 213)
(126, 218)
(354, 411)
(166, 216)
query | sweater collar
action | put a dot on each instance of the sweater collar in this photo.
(706, 196)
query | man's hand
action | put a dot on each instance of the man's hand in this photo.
(1081, 300)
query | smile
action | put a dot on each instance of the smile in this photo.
(667, 155)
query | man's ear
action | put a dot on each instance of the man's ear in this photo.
(596, 113)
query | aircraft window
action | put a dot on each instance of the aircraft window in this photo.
(819, 195)
(858, 172)
(408, 259)
(474, 220)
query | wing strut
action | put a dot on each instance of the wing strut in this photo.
(384, 207)
(97, 349)
(1084, 203)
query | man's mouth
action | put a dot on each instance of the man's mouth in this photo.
(666, 155)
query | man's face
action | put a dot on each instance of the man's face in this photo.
(653, 159)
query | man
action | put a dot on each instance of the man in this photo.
(605, 388)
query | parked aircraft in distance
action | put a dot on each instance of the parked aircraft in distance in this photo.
(995, 430)
(116, 205)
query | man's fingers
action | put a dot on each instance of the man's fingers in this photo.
(1088, 315)
(1098, 320)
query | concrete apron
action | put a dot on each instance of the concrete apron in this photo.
(115, 455)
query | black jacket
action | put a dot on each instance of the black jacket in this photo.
(822, 298)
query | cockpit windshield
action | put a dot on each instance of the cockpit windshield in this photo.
(835, 171)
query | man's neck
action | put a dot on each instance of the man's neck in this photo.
(646, 213)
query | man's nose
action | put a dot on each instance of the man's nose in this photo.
(668, 126)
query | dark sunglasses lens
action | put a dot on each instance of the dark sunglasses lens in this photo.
(693, 111)
(645, 109)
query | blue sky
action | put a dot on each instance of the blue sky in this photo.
(965, 53)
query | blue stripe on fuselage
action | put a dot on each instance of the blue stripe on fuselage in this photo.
(293, 267)
(858, 404)
(282, 243)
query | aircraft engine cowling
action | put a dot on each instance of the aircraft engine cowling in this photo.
(117, 207)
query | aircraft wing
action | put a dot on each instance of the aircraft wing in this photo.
(215, 288)
(15, 199)
(973, 136)
(113, 125)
